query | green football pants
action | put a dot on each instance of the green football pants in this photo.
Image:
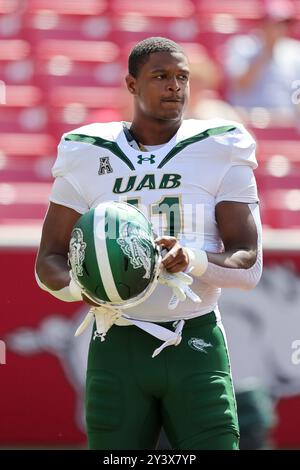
(187, 389)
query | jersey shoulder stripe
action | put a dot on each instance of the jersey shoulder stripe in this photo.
(113, 147)
(195, 138)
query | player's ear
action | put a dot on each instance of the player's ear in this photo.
(131, 84)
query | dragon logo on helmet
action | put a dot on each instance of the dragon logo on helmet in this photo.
(135, 243)
(77, 252)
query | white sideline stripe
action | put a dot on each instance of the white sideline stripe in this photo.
(102, 255)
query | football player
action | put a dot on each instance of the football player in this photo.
(194, 179)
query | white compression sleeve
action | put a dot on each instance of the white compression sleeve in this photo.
(70, 293)
(198, 262)
(239, 278)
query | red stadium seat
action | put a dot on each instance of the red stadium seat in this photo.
(74, 106)
(267, 182)
(12, 25)
(279, 164)
(18, 72)
(90, 51)
(158, 8)
(281, 208)
(23, 201)
(23, 95)
(64, 72)
(290, 148)
(22, 120)
(48, 24)
(237, 8)
(92, 97)
(130, 29)
(27, 144)
(26, 168)
(67, 7)
(275, 133)
(10, 6)
(14, 49)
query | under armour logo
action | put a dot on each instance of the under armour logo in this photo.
(105, 166)
(142, 159)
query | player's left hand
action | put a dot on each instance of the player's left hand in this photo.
(175, 259)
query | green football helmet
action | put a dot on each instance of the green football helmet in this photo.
(113, 256)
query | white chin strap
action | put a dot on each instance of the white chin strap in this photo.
(107, 316)
(170, 338)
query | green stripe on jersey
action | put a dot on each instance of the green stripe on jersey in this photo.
(107, 144)
(195, 138)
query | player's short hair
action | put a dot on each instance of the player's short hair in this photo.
(139, 54)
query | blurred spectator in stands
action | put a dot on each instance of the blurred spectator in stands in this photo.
(206, 80)
(262, 67)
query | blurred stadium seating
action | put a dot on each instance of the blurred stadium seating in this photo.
(63, 63)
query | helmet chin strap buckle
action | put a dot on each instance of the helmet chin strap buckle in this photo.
(105, 317)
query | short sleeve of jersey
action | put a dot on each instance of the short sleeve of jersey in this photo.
(66, 155)
(238, 182)
(238, 185)
(243, 147)
(64, 193)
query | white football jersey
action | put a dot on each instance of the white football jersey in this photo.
(176, 185)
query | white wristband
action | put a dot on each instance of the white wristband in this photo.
(70, 293)
(198, 261)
